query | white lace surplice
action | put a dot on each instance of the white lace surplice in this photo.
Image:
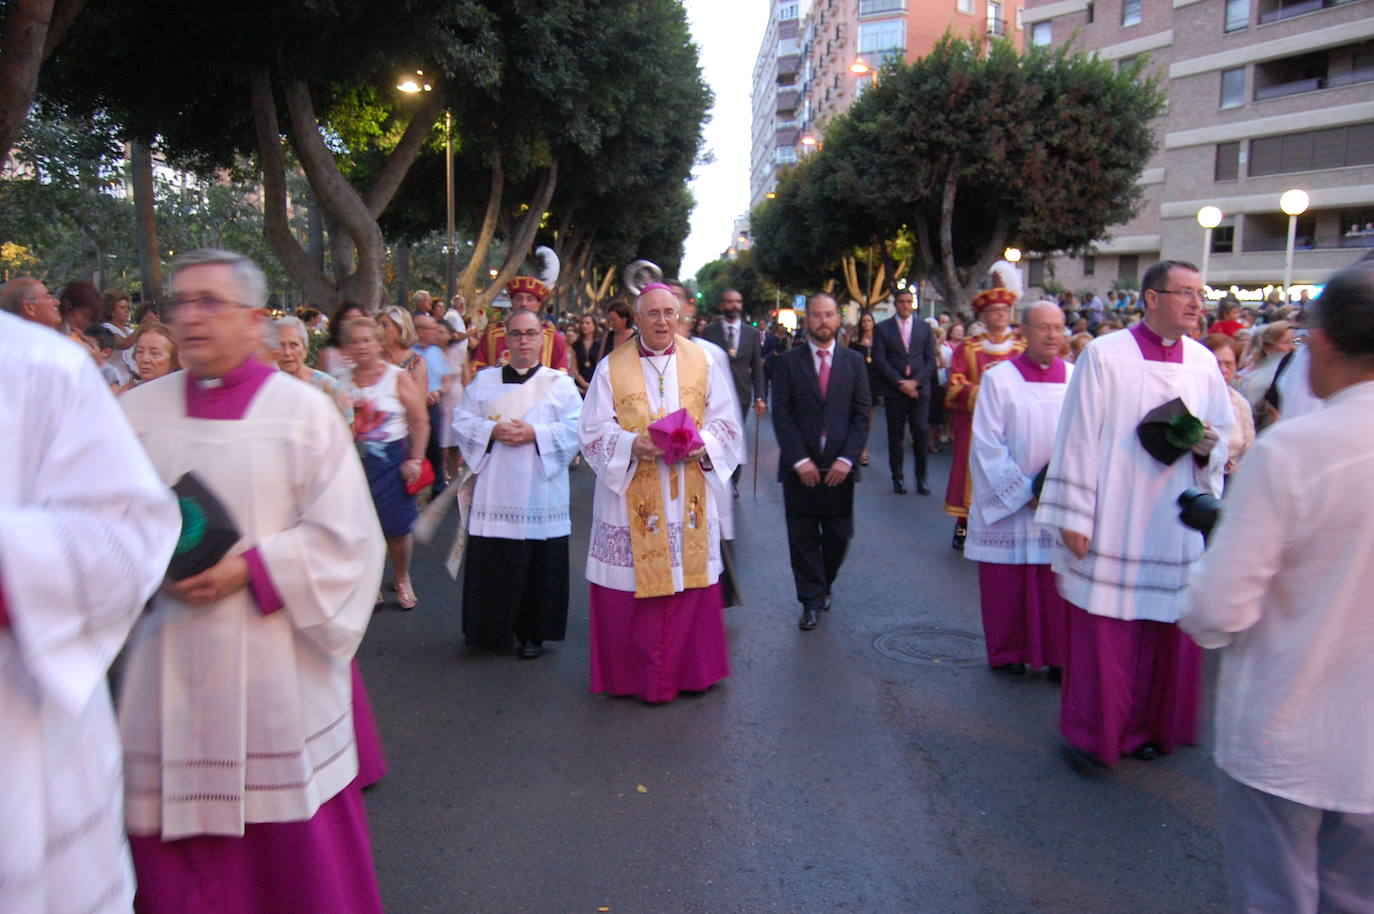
(1014, 424)
(521, 492)
(606, 447)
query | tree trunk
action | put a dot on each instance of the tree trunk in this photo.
(32, 30)
(149, 252)
(314, 284)
(314, 229)
(467, 279)
(403, 275)
(523, 236)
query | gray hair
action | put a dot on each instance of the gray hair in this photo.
(292, 323)
(1029, 309)
(252, 282)
(17, 291)
(419, 294)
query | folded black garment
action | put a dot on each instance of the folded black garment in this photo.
(1169, 431)
(207, 533)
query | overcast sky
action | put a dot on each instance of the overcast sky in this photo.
(728, 33)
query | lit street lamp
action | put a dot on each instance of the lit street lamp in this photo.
(1294, 203)
(1209, 217)
(412, 85)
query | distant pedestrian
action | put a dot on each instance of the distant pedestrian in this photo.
(904, 353)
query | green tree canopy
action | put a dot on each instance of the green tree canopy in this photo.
(970, 152)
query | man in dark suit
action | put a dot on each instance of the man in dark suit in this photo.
(820, 416)
(904, 354)
(742, 344)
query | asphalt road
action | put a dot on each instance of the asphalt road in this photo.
(824, 775)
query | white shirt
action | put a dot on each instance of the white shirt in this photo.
(86, 530)
(816, 364)
(733, 329)
(1285, 589)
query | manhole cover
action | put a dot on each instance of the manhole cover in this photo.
(931, 646)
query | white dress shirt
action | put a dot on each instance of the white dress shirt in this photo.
(816, 364)
(1285, 588)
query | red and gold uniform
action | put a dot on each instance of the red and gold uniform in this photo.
(970, 362)
(492, 349)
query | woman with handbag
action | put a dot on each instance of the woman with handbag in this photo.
(391, 429)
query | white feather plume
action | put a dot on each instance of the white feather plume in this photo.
(548, 265)
(1007, 275)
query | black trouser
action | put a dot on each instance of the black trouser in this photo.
(433, 452)
(817, 546)
(905, 412)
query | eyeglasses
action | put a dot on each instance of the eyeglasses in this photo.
(1182, 293)
(524, 334)
(209, 303)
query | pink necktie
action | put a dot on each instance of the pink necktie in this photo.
(906, 334)
(824, 372)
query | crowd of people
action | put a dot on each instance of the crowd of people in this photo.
(301, 449)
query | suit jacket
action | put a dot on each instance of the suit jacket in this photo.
(800, 415)
(746, 365)
(916, 362)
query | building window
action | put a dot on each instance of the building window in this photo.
(1130, 12)
(873, 7)
(966, 6)
(1128, 269)
(1228, 162)
(1019, 25)
(1089, 265)
(787, 154)
(1237, 15)
(1336, 147)
(1125, 63)
(1036, 272)
(883, 39)
(1224, 236)
(1233, 88)
(1089, 13)
(1040, 33)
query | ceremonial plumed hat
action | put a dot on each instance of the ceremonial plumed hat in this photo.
(538, 286)
(989, 297)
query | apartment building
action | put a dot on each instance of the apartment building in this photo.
(775, 130)
(811, 68)
(1264, 96)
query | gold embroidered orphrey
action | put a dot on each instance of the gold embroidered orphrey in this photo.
(653, 560)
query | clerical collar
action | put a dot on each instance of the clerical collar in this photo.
(250, 370)
(1154, 337)
(645, 352)
(512, 375)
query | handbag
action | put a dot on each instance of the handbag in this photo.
(426, 478)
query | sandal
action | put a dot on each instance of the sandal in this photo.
(405, 596)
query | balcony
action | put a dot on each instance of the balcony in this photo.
(875, 7)
(787, 102)
(788, 136)
(997, 27)
(1331, 68)
(1278, 10)
(788, 67)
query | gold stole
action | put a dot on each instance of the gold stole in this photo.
(653, 561)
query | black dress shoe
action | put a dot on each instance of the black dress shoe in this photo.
(530, 650)
(808, 618)
(1082, 763)
(1011, 669)
(960, 534)
(1147, 752)
(899, 487)
(922, 488)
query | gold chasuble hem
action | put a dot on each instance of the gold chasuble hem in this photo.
(649, 542)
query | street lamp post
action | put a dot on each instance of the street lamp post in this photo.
(1294, 203)
(412, 85)
(1209, 217)
(452, 274)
